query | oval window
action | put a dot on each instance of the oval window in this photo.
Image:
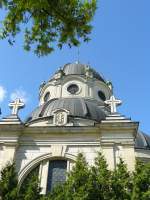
(46, 97)
(73, 89)
(101, 95)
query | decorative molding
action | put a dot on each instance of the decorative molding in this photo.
(74, 83)
(1, 147)
(60, 117)
(58, 150)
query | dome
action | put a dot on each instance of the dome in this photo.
(77, 107)
(80, 69)
(142, 141)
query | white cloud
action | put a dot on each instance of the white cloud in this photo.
(19, 93)
(2, 93)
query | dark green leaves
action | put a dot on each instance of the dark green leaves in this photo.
(141, 188)
(8, 183)
(84, 182)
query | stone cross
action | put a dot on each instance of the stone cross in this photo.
(16, 105)
(113, 103)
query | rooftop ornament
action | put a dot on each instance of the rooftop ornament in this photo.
(16, 105)
(113, 103)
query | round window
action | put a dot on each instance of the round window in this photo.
(73, 89)
(101, 95)
(46, 97)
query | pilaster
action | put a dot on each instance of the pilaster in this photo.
(117, 139)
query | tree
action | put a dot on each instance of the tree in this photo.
(8, 183)
(83, 183)
(9, 189)
(121, 182)
(58, 193)
(30, 189)
(100, 178)
(141, 188)
(48, 22)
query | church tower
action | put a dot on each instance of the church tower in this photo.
(77, 112)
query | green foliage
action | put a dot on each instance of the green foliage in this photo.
(48, 22)
(83, 183)
(100, 179)
(77, 184)
(30, 189)
(58, 193)
(33, 190)
(141, 189)
(121, 182)
(8, 183)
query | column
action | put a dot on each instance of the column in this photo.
(43, 176)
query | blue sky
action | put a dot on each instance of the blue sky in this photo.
(119, 49)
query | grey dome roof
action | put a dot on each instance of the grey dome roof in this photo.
(77, 107)
(142, 141)
(80, 69)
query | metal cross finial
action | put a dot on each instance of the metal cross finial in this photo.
(113, 103)
(16, 105)
(78, 54)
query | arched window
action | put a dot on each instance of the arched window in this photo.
(101, 95)
(47, 96)
(56, 173)
(50, 172)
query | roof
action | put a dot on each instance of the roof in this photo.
(77, 107)
(142, 141)
(81, 108)
(80, 69)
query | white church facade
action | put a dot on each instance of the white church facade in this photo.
(76, 113)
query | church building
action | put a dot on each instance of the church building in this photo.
(77, 112)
